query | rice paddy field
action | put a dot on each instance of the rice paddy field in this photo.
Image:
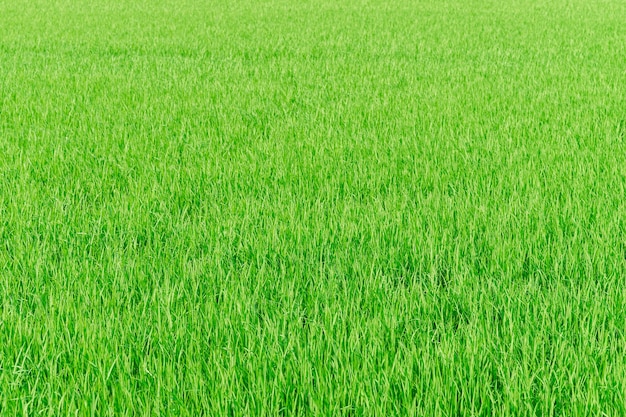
(313, 208)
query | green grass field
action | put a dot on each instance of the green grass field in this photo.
(357, 208)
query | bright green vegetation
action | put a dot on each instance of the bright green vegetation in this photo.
(312, 207)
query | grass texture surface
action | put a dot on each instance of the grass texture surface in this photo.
(334, 208)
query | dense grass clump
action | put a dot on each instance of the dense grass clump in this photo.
(386, 207)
